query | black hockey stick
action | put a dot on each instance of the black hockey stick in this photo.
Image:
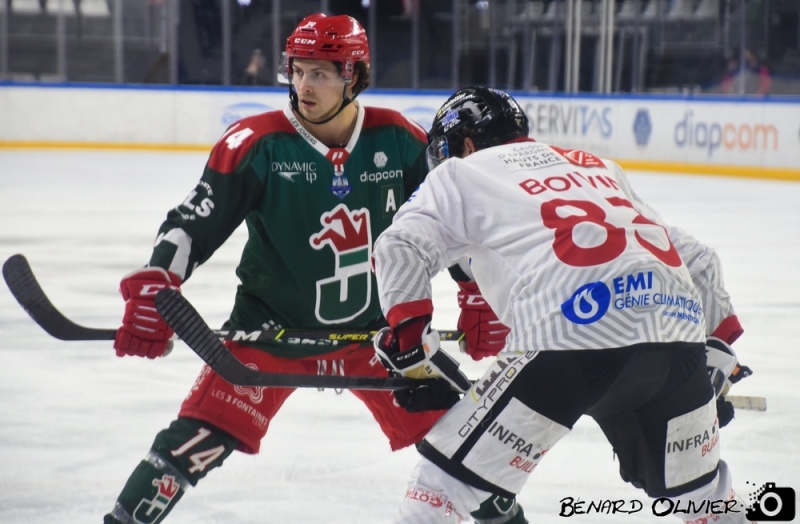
(191, 327)
(25, 288)
(23, 285)
(30, 295)
(193, 330)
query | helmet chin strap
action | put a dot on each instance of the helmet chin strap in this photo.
(296, 105)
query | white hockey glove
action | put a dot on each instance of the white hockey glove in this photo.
(723, 366)
(723, 371)
(412, 350)
(721, 361)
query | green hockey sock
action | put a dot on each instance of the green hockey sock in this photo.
(180, 456)
(150, 493)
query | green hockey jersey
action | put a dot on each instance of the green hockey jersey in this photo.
(312, 214)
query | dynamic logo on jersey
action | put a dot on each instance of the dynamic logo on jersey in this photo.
(347, 293)
(289, 170)
(148, 511)
(588, 304)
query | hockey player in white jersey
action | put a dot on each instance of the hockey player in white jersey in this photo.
(609, 311)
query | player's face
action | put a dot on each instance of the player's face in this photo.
(319, 88)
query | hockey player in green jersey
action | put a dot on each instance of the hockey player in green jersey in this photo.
(316, 183)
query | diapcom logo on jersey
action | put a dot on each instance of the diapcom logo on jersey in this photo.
(347, 293)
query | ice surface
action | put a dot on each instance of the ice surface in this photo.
(75, 420)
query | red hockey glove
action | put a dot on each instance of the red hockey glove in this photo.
(144, 333)
(484, 334)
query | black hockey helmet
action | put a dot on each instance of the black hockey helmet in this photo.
(489, 117)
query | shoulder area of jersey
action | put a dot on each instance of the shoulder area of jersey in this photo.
(242, 135)
(529, 154)
(382, 116)
(259, 125)
(500, 151)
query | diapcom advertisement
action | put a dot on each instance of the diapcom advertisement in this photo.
(749, 137)
(707, 132)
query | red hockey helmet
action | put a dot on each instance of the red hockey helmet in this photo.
(335, 38)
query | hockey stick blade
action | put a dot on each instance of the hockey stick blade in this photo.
(192, 329)
(23, 285)
(750, 403)
(21, 281)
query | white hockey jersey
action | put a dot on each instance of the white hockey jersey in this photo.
(562, 249)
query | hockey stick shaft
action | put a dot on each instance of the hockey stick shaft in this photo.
(26, 289)
(190, 327)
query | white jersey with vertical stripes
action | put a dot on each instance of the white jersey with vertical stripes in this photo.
(562, 249)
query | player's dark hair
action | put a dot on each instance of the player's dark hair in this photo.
(362, 82)
(360, 68)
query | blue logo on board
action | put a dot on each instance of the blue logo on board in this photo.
(422, 115)
(588, 304)
(642, 127)
(235, 112)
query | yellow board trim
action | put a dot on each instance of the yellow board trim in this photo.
(122, 146)
(773, 173)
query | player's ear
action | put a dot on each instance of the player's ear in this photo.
(469, 147)
(351, 87)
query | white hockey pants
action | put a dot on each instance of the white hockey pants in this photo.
(727, 509)
(435, 497)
